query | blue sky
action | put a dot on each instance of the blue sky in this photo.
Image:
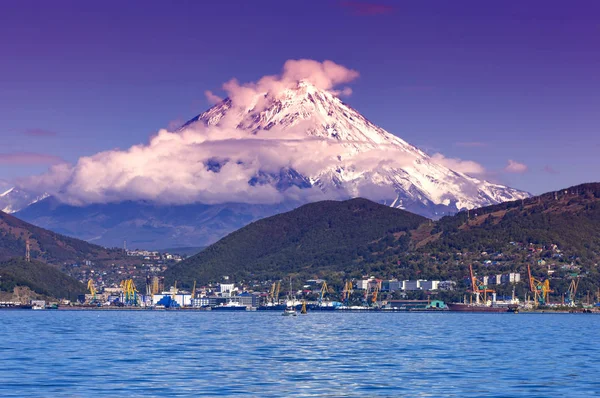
(470, 79)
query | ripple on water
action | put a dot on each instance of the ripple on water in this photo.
(49, 353)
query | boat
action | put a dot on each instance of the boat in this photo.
(229, 307)
(461, 307)
(480, 292)
(272, 307)
(11, 305)
(290, 309)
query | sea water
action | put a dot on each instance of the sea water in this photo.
(181, 353)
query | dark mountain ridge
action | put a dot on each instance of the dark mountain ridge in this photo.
(317, 236)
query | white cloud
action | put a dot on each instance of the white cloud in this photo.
(212, 164)
(515, 167)
(462, 166)
(212, 98)
(209, 165)
(323, 75)
(215, 164)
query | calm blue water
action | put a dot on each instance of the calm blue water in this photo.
(71, 353)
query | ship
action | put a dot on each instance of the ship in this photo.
(272, 307)
(482, 304)
(229, 307)
(9, 305)
(461, 307)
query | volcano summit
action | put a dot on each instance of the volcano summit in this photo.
(268, 147)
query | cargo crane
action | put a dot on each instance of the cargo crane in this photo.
(92, 289)
(277, 289)
(478, 287)
(129, 292)
(194, 290)
(324, 290)
(148, 286)
(373, 287)
(570, 300)
(155, 285)
(375, 293)
(540, 289)
(271, 296)
(346, 292)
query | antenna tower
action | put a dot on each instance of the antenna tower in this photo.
(27, 251)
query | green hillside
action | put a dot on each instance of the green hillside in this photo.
(39, 277)
(315, 239)
(557, 234)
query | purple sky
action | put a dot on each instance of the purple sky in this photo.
(470, 79)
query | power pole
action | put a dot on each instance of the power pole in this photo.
(27, 251)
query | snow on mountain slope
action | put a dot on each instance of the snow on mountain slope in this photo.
(13, 200)
(367, 158)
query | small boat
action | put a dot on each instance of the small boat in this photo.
(289, 311)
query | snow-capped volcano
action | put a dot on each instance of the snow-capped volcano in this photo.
(271, 146)
(362, 156)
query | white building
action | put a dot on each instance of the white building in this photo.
(226, 289)
(420, 284)
(362, 284)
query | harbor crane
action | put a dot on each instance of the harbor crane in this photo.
(373, 287)
(346, 292)
(277, 289)
(570, 299)
(478, 288)
(92, 289)
(375, 294)
(324, 289)
(130, 292)
(540, 289)
(272, 293)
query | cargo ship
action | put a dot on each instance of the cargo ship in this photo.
(460, 307)
(480, 291)
(14, 306)
(229, 307)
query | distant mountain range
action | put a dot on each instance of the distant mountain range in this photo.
(47, 246)
(362, 160)
(145, 225)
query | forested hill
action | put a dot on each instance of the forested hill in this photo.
(557, 234)
(569, 218)
(315, 238)
(45, 245)
(39, 277)
(559, 231)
